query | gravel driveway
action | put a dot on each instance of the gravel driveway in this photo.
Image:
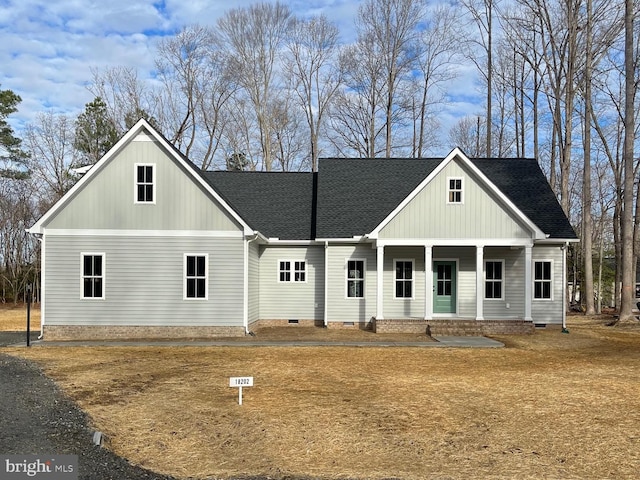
(36, 418)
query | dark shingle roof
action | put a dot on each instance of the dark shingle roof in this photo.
(523, 182)
(277, 204)
(354, 195)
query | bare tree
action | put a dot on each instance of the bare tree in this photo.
(252, 39)
(628, 250)
(312, 53)
(481, 12)
(50, 142)
(390, 27)
(438, 47)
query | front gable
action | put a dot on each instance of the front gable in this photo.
(107, 197)
(474, 209)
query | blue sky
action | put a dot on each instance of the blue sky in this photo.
(50, 46)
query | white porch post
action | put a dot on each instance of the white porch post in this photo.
(528, 282)
(428, 282)
(379, 282)
(479, 282)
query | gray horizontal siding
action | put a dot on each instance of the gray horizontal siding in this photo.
(107, 200)
(292, 300)
(549, 311)
(143, 281)
(343, 309)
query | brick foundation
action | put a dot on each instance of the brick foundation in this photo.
(285, 323)
(113, 332)
(454, 327)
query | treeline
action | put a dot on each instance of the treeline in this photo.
(263, 89)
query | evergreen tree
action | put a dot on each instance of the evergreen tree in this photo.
(95, 132)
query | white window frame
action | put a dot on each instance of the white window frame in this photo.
(196, 277)
(502, 280)
(293, 270)
(136, 184)
(396, 279)
(83, 276)
(455, 190)
(347, 279)
(550, 280)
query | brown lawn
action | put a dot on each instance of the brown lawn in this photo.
(550, 405)
(13, 317)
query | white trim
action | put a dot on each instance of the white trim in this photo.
(142, 126)
(428, 282)
(103, 276)
(455, 242)
(136, 184)
(292, 270)
(326, 283)
(143, 233)
(379, 282)
(206, 277)
(528, 283)
(551, 280)
(450, 190)
(363, 279)
(502, 280)
(43, 290)
(413, 278)
(480, 269)
(457, 153)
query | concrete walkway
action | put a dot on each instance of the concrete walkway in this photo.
(439, 342)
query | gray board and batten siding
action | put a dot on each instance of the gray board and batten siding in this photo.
(107, 201)
(480, 215)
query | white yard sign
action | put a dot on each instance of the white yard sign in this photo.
(240, 382)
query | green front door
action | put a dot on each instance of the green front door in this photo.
(444, 287)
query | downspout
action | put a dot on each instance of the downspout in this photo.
(40, 238)
(326, 283)
(564, 287)
(245, 313)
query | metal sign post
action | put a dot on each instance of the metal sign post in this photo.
(28, 315)
(240, 382)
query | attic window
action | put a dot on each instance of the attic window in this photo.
(455, 190)
(145, 183)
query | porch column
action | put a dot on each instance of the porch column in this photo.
(379, 282)
(479, 282)
(428, 282)
(528, 282)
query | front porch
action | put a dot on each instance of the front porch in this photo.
(466, 288)
(453, 327)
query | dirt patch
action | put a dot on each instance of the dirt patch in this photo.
(550, 405)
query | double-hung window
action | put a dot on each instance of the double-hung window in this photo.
(542, 279)
(404, 278)
(92, 275)
(196, 276)
(292, 271)
(145, 191)
(355, 278)
(493, 279)
(455, 190)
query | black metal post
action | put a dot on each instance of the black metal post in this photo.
(28, 315)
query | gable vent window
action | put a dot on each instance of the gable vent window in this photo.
(145, 184)
(455, 190)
